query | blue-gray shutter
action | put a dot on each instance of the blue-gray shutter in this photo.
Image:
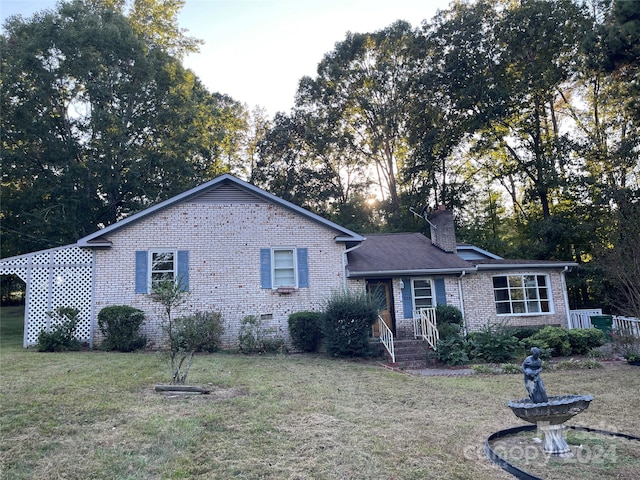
(183, 269)
(265, 268)
(407, 298)
(142, 276)
(303, 268)
(441, 293)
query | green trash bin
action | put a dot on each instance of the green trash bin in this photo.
(603, 322)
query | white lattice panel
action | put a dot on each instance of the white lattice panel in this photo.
(55, 278)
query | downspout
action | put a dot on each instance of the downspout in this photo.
(344, 264)
(464, 321)
(565, 295)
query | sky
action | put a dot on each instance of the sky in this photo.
(256, 51)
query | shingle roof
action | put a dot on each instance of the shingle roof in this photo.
(395, 254)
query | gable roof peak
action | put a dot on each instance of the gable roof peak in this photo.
(99, 239)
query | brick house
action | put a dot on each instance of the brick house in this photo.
(241, 251)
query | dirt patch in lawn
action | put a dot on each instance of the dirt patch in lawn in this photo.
(215, 394)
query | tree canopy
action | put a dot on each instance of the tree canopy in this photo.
(99, 121)
(522, 116)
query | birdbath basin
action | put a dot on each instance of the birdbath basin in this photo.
(549, 416)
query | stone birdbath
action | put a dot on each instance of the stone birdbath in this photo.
(548, 413)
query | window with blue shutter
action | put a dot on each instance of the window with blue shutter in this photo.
(284, 267)
(155, 266)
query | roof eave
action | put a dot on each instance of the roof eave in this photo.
(90, 240)
(411, 273)
(520, 266)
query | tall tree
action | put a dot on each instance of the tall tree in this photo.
(361, 90)
(96, 124)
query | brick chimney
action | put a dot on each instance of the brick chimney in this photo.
(443, 233)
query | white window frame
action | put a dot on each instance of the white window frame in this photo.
(173, 272)
(294, 254)
(525, 291)
(413, 292)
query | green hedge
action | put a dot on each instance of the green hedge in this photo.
(120, 326)
(347, 321)
(305, 329)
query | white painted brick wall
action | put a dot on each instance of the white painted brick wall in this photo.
(224, 243)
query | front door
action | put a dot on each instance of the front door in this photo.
(382, 295)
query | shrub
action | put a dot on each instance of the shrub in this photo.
(625, 343)
(200, 332)
(554, 338)
(452, 350)
(578, 365)
(255, 338)
(582, 340)
(120, 325)
(62, 336)
(493, 344)
(484, 369)
(510, 368)
(447, 330)
(249, 335)
(347, 321)
(305, 330)
(448, 314)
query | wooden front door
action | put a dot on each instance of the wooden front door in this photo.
(382, 295)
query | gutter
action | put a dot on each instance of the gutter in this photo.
(344, 263)
(400, 273)
(565, 295)
(519, 266)
(464, 320)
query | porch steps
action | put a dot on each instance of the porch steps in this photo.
(411, 354)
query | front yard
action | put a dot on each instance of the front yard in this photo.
(95, 415)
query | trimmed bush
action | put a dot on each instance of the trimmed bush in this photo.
(62, 336)
(305, 329)
(449, 321)
(347, 321)
(582, 340)
(120, 326)
(563, 342)
(448, 314)
(554, 338)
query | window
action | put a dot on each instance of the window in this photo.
(422, 294)
(521, 294)
(284, 267)
(157, 265)
(163, 266)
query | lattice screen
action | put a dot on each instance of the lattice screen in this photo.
(55, 278)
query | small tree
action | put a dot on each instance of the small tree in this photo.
(171, 295)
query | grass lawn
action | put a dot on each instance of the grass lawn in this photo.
(95, 415)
